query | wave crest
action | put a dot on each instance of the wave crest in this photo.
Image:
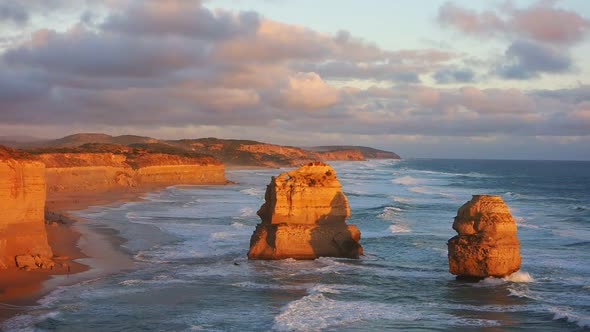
(406, 180)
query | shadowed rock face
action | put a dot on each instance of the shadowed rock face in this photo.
(304, 217)
(487, 245)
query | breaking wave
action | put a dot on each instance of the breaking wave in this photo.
(389, 212)
(399, 228)
(257, 192)
(406, 180)
(570, 316)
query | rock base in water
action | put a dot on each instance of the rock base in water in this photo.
(280, 241)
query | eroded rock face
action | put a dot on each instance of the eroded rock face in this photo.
(487, 245)
(22, 202)
(96, 172)
(304, 217)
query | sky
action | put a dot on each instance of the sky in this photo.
(429, 78)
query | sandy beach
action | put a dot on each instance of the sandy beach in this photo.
(89, 251)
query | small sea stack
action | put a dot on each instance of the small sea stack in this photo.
(304, 217)
(487, 245)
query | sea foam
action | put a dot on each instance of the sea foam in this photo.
(399, 228)
(317, 311)
(406, 180)
(520, 277)
(256, 192)
(26, 322)
(516, 277)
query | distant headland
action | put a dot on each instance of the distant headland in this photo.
(231, 152)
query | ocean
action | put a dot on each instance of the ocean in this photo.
(190, 243)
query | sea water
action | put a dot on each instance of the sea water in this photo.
(190, 243)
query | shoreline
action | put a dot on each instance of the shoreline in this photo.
(89, 250)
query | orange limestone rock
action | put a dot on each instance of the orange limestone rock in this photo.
(304, 217)
(23, 239)
(95, 171)
(487, 245)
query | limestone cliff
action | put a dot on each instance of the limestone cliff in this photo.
(366, 152)
(345, 154)
(304, 217)
(103, 171)
(487, 244)
(22, 202)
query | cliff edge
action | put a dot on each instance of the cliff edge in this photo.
(104, 167)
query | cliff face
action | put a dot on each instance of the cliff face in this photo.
(356, 155)
(22, 202)
(304, 217)
(366, 152)
(73, 172)
(487, 244)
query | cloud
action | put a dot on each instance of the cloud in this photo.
(13, 13)
(402, 66)
(496, 101)
(83, 52)
(22, 86)
(469, 21)
(308, 91)
(178, 17)
(21, 12)
(540, 35)
(346, 70)
(276, 42)
(542, 21)
(525, 59)
(569, 96)
(582, 114)
(454, 75)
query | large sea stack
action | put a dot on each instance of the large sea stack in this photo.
(487, 245)
(304, 217)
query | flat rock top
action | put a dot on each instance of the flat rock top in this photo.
(315, 174)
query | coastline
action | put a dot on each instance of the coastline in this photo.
(90, 252)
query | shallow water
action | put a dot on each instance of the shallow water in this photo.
(190, 245)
